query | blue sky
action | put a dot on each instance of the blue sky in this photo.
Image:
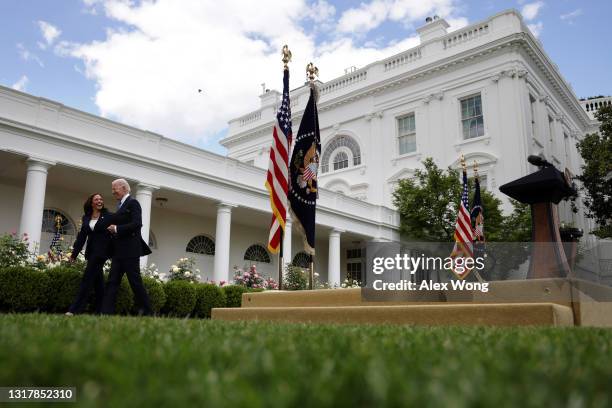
(142, 62)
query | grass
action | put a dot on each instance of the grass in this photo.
(128, 361)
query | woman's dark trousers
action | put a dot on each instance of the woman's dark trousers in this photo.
(93, 277)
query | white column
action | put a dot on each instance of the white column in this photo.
(287, 242)
(144, 195)
(222, 242)
(34, 200)
(333, 266)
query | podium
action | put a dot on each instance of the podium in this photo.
(543, 190)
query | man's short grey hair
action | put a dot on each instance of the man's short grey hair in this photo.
(123, 182)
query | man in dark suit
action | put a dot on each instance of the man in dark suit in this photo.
(127, 248)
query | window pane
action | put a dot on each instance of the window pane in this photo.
(466, 129)
(472, 119)
(407, 144)
(464, 109)
(406, 125)
(480, 126)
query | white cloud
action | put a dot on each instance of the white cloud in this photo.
(21, 84)
(370, 15)
(26, 55)
(148, 74)
(364, 18)
(321, 11)
(49, 33)
(569, 17)
(536, 28)
(531, 10)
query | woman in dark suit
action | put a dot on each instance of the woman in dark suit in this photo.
(97, 252)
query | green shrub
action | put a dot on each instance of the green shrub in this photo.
(180, 298)
(233, 295)
(208, 296)
(63, 286)
(23, 289)
(157, 296)
(295, 278)
(14, 250)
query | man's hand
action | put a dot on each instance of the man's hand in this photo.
(112, 229)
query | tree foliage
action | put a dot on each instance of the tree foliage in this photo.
(428, 206)
(596, 177)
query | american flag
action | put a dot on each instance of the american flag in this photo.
(464, 235)
(55, 242)
(55, 248)
(277, 180)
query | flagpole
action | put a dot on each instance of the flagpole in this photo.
(312, 72)
(476, 273)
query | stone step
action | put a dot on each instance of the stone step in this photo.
(518, 291)
(500, 314)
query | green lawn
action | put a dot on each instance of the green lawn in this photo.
(128, 361)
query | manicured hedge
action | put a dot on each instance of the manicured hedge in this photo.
(180, 298)
(157, 295)
(23, 289)
(233, 294)
(63, 286)
(208, 296)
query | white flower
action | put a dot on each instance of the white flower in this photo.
(175, 268)
(187, 274)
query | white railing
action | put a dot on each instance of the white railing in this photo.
(250, 118)
(343, 82)
(402, 59)
(593, 105)
(464, 36)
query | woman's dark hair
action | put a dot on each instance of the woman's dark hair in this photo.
(88, 206)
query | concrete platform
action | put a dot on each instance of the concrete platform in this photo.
(543, 314)
(507, 303)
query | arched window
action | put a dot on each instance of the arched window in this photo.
(49, 224)
(340, 160)
(340, 142)
(67, 229)
(301, 259)
(257, 253)
(201, 244)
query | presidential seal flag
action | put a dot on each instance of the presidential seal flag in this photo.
(277, 180)
(304, 167)
(477, 216)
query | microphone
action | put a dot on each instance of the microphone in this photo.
(538, 161)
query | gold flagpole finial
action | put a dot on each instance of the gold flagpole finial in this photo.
(311, 72)
(463, 166)
(475, 169)
(286, 56)
(58, 221)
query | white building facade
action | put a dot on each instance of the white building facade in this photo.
(487, 91)
(195, 203)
